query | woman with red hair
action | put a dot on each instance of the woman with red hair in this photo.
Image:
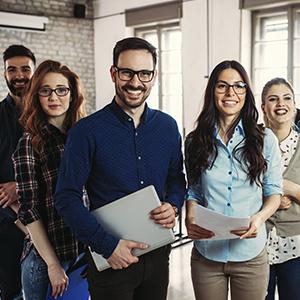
(53, 104)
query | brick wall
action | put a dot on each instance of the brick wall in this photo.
(66, 39)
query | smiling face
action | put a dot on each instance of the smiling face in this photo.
(279, 105)
(229, 104)
(132, 93)
(18, 71)
(55, 106)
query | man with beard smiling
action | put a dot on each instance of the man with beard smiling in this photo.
(118, 150)
(19, 64)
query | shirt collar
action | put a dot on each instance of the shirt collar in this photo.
(124, 117)
(49, 129)
(10, 100)
(238, 128)
(286, 144)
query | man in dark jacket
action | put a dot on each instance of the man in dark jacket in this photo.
(19, 64)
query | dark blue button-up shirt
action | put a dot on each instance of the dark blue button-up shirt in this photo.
(111, 158)
(10, 132)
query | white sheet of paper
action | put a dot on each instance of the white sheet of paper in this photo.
(220, 224)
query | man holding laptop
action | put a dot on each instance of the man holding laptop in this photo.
(116, 151)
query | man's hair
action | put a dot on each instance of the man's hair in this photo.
(18, 50)
(133, 43)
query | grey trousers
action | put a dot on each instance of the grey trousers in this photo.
(248, 279)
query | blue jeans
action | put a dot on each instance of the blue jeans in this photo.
(287, 277)
(35, 279)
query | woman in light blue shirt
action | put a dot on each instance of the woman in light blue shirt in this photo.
(233, 168)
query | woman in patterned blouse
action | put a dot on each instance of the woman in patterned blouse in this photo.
(278, 105)
(53, 104)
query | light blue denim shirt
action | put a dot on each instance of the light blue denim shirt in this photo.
(225, 188)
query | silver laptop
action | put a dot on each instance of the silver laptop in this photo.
(128, 218)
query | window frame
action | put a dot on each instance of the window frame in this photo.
(158, 28)
(290, 11)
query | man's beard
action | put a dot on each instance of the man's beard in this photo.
(120, 91)
(15, 90)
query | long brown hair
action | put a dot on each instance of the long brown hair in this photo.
(201, 146)
(33, 118)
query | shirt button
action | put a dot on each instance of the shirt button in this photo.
(229, 156)
(139, 157)
(229, 188)
(228, 204)
(136, 134)
(142, 182)
(231, 142)
(129, 119)
(229, 172)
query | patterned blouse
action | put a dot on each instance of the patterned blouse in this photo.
(36, 175)
(281, 249)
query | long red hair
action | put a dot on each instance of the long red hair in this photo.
(33, 118)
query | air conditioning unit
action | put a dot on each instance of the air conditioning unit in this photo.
(22, 21)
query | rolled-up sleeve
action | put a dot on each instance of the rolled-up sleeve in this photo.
(26, 165)
(195, 193)
(272, 180)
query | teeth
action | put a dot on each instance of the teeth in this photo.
(135, 92)
(281, 112)
(230, 102)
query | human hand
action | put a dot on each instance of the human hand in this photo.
(58, 279)
(285, 202)
(8, 194)
(122, 256)
(196, 232)
(164, 215)
(245, 233)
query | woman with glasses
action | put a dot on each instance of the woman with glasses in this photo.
(233, 168)
(53, 104)
(283, 248)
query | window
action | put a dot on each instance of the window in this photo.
(276, 47)
(167, 92)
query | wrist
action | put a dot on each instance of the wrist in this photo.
(176, 210)
(53, 266)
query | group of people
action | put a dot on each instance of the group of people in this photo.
(57, 165)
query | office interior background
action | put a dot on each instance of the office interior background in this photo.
(191, 36)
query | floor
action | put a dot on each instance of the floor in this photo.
(180, 287)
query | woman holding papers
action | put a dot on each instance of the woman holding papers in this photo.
(278, 105)
(54, 102)
(233, 168)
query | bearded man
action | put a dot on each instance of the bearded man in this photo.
(19, 64)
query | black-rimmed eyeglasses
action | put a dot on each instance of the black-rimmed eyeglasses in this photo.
(59, 91)
(126, 74)
(239, 87)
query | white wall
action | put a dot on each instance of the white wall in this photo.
(223, 19)
(194, 59)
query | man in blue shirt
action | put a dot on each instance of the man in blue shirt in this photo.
(19, 64)
(116, 151)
